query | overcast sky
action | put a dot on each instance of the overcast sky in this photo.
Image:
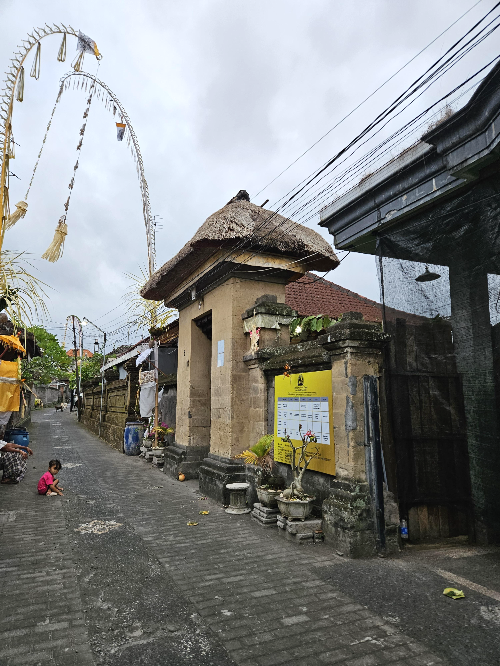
(223, 95)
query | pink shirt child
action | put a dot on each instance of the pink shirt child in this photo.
(44, 483)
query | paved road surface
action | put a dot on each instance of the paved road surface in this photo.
(141, 587)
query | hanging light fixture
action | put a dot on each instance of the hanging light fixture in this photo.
(427, 276)
(96, 346)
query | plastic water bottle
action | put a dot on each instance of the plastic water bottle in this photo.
(404, 529)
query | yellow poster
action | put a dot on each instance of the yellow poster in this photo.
(305, 399)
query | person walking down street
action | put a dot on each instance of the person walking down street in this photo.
(48, 484)
(14, 461)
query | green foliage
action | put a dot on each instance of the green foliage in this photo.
(91, 367)
(263, 446)
(54, 364)
(22, 294)
(260, 454)
(153, 315)
(310, 324)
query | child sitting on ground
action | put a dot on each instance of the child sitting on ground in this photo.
(48, 484)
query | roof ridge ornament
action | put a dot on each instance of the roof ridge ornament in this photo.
(241, 196)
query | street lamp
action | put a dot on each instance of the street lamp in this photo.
(427, 276)
(76, 323)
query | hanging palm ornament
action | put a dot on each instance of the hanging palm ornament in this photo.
(120, 131)
(61, 55)
(85, 45)
(35, 67)
(20, 86)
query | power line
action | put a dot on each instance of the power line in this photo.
(366, 99)
(413, 88)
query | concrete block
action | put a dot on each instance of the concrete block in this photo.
(265, 522)
(303, 527)
(264, 511)
(282, 521)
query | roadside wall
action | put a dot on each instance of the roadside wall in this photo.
(51, 396)
(119, 404)
(116, 408)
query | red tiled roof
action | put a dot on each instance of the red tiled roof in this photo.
(312, 295)
(86, 353)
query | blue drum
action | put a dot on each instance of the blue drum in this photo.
(132, 438)
(19, 436)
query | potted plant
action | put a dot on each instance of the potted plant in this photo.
(294, 502)
(269, 485)
(163, 430)
(269, 490)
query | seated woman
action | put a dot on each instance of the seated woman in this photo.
(14, 461)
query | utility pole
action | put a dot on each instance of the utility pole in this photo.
(77, 372)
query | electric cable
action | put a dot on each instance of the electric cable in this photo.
(467, 46)
(367, 98)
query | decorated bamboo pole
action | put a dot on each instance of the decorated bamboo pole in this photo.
(125, 131)
(14, 88)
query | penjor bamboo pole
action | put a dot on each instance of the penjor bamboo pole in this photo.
(32, 41)
(3, 177)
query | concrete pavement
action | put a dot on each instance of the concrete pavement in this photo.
(112, 574)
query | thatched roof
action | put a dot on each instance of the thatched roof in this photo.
(249, 227)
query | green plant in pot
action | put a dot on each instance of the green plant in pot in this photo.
(163, 430)
(294, 502)
(270, 484)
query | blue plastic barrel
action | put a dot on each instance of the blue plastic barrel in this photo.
(132, 438)
(19, 436)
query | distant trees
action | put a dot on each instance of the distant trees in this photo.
(91, 367)
(54, 364)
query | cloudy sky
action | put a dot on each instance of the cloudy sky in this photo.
(223, 95)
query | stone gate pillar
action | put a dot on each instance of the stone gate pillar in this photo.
(349, 513)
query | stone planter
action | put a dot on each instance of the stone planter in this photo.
(268, 497)
(147, 443)
(295, 509)
(237, 498)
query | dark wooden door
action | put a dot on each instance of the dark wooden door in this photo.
(429, 431)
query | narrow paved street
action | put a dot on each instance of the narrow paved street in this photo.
(139, 586)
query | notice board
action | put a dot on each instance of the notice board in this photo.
(305, 399)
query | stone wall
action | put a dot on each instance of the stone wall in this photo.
(51, 396)
(118, 403)
(352, 350)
